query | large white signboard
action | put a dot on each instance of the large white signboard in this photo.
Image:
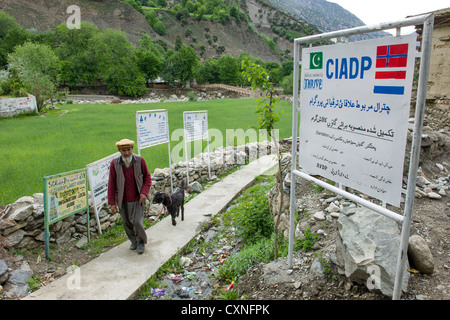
(98, 174)
(195, 125)
(152, 128)
(354, 110)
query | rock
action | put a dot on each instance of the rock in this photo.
(17, 284)
(195, 187)
(14, 238)
(420, 255)
(3, 271)
(316, 268)
(367, 245)
(319, 216)
(421, 181)
(6, 223)
(434, 195)
(334, 215)
(20, 212)
(83, 240)
(332, 208)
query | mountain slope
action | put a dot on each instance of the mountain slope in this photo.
(43, 15)
(327, 16)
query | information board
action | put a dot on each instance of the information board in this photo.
(98, 174)
(195, 125)
(196, 128)
(354, 111)
(64, 195)
(152, 128)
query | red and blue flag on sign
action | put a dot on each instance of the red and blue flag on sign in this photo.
(391, 56)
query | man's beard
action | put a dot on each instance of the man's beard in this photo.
(127, 161)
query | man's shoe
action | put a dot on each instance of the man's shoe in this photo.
(133, 245)
(140, 248)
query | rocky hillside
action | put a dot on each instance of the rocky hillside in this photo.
(268, 34)
(327, 16)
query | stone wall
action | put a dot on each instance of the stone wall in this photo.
(22, 222)
(10, 107)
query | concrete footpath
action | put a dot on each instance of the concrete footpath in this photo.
(118, 273)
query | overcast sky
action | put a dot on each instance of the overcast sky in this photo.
(376, 11)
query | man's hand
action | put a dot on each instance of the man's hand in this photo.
(114, 208)
(142, 199)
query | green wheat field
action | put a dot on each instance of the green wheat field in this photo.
(46, 144)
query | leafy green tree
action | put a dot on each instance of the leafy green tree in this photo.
(77, 63)
(181, 65)
(229, 70)
(6, 23)
(13, 38)
(208, 72)
(117, 63)
(36, 66)
(148, 58)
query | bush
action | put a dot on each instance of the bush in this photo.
(252, 217)
(192, 96)
(160, 28)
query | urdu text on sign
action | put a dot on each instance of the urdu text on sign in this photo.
(354, 108)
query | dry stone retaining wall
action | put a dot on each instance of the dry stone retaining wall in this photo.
(22, 222)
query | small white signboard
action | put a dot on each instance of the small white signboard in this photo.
(354, 111)
(195, 128)
(195, 125)
(152, 128)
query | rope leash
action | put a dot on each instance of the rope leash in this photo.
(163, 208)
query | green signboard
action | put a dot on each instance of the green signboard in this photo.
(64, 195)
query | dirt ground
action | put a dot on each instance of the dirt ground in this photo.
(276, 281)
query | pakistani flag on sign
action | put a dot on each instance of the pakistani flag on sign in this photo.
(316, 60)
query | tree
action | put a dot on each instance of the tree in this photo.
(6, 23)
(77, 63)
(36, 66)
(267, 117)
(229, 70)
(181, 65)
(149, 59)
(13, 38)
(117, 63)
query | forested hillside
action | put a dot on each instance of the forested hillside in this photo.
(124, 45)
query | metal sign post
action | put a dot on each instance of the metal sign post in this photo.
(152, 128)
(355, 100)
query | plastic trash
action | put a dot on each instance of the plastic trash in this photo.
(230, 286)
(158, 292)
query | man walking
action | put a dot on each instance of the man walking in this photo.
(128, 187)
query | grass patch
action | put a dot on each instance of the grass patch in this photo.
(48, 144)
